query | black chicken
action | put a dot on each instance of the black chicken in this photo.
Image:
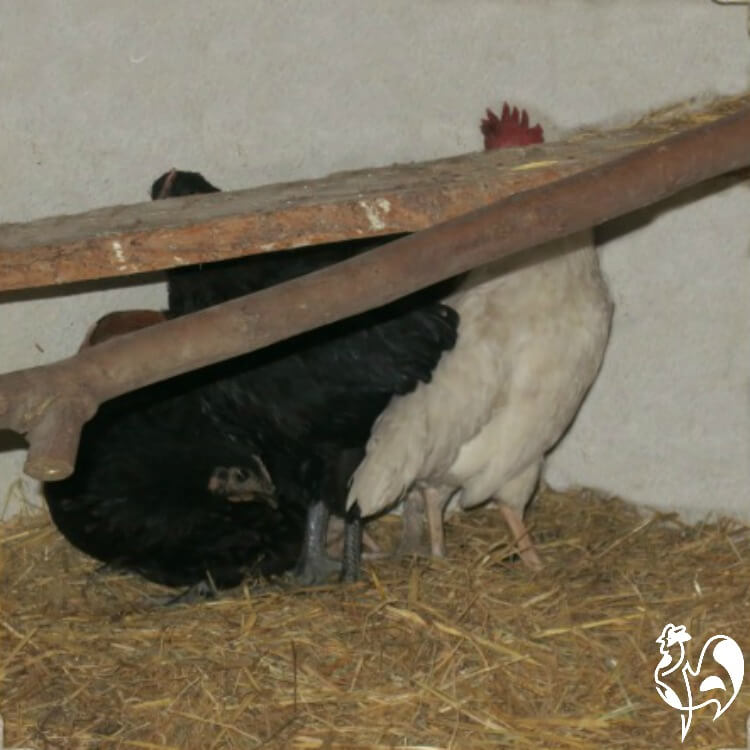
(309, 402)
(151, 491)
(142, 496)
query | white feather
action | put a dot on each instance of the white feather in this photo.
(532, 333)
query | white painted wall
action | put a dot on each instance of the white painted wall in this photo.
(99, 97)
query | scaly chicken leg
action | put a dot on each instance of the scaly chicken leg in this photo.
(420, 504)
(435, 502)
(412, 535)
(314, 566)
(513, 498)
(526, 548)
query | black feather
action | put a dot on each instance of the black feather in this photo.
(139, 498)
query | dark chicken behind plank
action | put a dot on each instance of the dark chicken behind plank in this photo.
(310, 402)
(140, 496)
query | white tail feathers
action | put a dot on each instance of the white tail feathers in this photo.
(391, 463)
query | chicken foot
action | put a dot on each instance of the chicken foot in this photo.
(427, 503)
(522, 538)
(314, 566)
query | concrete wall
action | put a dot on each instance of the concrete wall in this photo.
(101, 97)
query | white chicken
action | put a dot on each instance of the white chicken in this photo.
(532, 333)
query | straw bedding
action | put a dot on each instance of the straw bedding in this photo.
(470, 652)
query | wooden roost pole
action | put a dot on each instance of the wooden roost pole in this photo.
(50, 404)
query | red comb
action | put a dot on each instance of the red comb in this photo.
(512, 129)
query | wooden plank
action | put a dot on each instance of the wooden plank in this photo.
(125, 240)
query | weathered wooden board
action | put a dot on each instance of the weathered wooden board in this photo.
(125, 240)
